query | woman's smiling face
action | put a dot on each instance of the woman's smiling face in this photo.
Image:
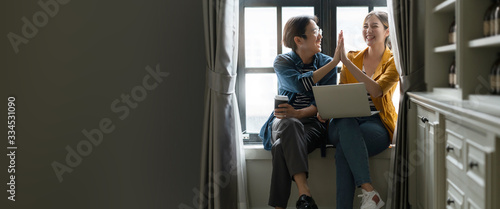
(374, 31)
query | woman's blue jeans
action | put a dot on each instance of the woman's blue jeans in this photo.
(355, 139)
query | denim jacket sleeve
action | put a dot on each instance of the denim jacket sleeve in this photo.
(266, 131)
(331, 77)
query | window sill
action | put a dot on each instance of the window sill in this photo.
(257, 152)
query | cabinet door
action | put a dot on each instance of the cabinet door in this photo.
(430, 147)
(436, 175)
(431, 173)
(421, 165)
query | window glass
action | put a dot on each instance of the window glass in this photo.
(260, 91)
(288, 12)
(261, 87)
(350, 20)
(260, 36)
(395, 98)
(380, 9)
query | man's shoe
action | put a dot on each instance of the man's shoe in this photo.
(306, 202)
(367, 201)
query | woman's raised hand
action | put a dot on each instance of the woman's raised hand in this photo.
(336, 56)
(340, 47)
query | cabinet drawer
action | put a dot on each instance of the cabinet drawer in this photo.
(464, 131)
(476, 168)
(474, 204)
(454, 196)
(454, 149)
(425, 114)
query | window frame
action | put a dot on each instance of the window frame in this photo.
(325, 10)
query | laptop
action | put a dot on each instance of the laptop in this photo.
(342, 101)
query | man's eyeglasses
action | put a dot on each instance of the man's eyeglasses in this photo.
(316, 32)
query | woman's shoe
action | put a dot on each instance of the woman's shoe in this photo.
(368, 203)
(306, 202)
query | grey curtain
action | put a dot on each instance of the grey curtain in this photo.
(223, 182)
(406, 21)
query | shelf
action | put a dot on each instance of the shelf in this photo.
(446, 6)
(486, 103)
(446, 48)
(449, 93)
(493, 41)
(494, 100)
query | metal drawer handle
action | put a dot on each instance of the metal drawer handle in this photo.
(449, 148)
(450, 201)
(473, 164)
(424, 119)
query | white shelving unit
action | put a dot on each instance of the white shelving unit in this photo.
(474, 54)
(459, 139)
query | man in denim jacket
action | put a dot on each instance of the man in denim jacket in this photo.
(293, 131)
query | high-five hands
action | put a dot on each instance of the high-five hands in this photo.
(340, 48)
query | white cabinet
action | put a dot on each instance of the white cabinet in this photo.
(470, 152)
(459, 148)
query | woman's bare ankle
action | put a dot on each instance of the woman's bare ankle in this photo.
(367, 187)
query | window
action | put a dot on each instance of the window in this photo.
(261, 27)
(260, 36)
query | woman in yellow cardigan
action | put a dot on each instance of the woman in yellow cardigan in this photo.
(357, 139)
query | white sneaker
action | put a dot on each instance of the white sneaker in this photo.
(367, 201)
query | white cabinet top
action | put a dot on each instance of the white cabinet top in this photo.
(483, 109)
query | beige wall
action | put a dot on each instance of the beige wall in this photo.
(66, 78)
